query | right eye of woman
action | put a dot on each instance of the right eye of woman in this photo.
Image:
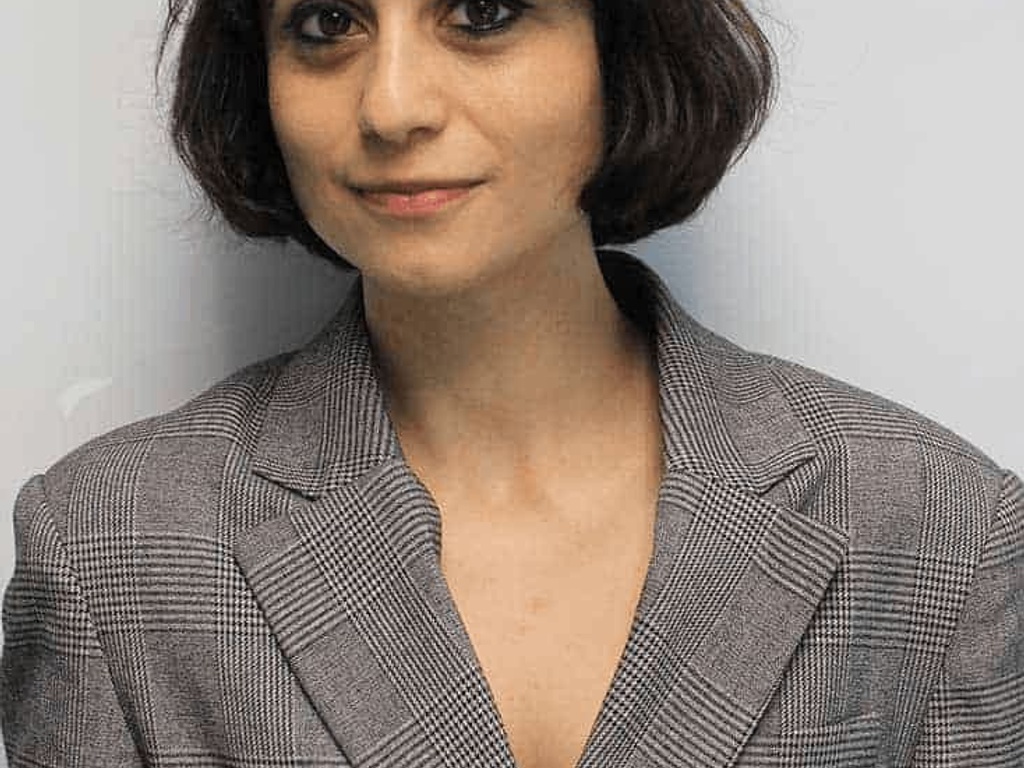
(320, 23)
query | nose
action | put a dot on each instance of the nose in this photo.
(402, 96)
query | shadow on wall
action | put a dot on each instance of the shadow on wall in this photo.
(188, 324)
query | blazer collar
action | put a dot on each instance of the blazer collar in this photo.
(326, 423)
(348, 573)
(723, 414)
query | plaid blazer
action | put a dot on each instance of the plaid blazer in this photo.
(253, 580)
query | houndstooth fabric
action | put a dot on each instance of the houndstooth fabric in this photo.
(254, 580)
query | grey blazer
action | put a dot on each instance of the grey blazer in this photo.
(253, 580)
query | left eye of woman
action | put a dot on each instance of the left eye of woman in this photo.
(481, 17)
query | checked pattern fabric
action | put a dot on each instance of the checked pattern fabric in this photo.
(254, 580)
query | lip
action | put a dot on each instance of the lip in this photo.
(414, 199)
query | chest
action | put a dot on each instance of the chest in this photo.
(548, 606)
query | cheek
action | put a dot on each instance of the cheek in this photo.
(301, 128)
(561, 105)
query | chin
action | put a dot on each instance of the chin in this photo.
(430, 272)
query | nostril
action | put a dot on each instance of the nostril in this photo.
(403, 94)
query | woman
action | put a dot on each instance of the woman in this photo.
(512, 506)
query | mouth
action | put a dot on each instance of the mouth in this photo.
(414, 199)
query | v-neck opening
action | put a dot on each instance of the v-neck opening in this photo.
(666, 536)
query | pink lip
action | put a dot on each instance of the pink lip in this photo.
(422, 202)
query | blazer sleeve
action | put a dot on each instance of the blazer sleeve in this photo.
(58, 707)
(976, 714)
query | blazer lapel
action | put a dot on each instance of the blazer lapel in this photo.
(735, 578)
(734, 583)
(349, 576)
(351, 586)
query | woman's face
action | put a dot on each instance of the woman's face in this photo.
(436, 143)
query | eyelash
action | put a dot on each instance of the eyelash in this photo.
(307, 9)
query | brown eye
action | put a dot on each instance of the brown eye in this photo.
(483, 13)
(321, 22)
(328, 22)
(478, 18)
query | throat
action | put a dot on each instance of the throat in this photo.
(534, 420)
(531, 357)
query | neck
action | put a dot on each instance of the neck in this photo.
(511, 368)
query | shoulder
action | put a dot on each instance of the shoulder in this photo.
(182, 453)
(838, 414)
(753, 418)
(899, 478)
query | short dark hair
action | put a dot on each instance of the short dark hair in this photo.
(687, 85)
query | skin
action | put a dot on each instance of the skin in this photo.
(522, 398)
(407, 97)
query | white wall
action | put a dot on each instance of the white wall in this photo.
(872, 232)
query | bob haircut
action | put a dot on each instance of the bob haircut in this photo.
(687, 84)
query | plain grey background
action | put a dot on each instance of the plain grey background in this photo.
(873, 231)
